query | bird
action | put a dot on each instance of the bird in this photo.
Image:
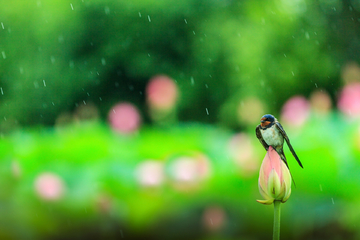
(271, 133)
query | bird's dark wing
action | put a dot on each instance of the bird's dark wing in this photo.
(259, 136)
(282, 131)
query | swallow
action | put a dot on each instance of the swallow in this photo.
(271, 133)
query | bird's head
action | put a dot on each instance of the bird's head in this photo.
(267, 121)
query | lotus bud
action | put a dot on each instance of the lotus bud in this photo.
(274, 179)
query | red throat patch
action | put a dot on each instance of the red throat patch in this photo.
(264, 124)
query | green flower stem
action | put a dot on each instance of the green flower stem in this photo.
(276, 230)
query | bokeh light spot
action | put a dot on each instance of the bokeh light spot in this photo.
(124, 118)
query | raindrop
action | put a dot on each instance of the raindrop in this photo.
(259, 69)
(210, 76)
(316, 85)
(44, 83)
(307, 36)
(284, 55)
(84, 102)
(194, 32)
(332, 200)
(5, 118)
(206, 85)
(2, 92)
(72, 8)
(21, 70)
(149, 54)
(139, 14)
(3, 54)
(52, 59)
(184, 20)
(36, 85)
(2, 25)
(100, 98)
(192, 81)
(207, 111)
(149, 18)
(53, 103)
(320, 187)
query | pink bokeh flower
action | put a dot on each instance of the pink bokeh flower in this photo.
(242, 152)
(150, 173)
(295, 111)
(188, 171)
(214, 218)
(274, 179)
(349, 100)
(124, 118)
(161, 93)
(49, 186)
(185, 169)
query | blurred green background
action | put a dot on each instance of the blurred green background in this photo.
(136, 119)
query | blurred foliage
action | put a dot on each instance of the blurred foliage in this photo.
(66, 61)
(104, 199)
(57, 54)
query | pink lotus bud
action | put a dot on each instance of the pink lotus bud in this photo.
(49, 186)
(349, 100)
(274, 179)
(124, 118)
(150, 173)
(214, 218)
(295, 111)
(161, 92)
(242, 151)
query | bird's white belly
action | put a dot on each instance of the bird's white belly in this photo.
(272, 137)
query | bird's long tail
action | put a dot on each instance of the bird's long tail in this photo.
(282, 155)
